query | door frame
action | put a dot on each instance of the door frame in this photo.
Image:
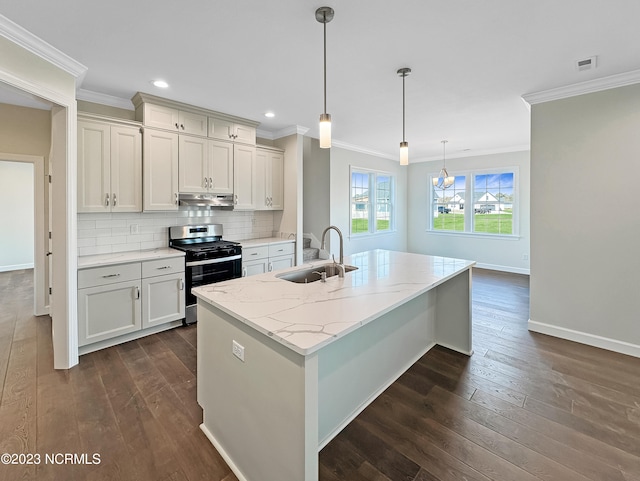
(40, 278)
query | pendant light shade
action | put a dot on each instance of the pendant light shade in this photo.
(404, 145)
(444, 180)
(324, 15)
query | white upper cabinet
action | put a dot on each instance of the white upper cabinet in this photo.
(193, 171)
(167, 118)
(109, 166)
(269, 179)
(223, 129)
(244, 167)
(220, 167)
(160, 173)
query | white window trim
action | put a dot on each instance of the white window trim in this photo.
(469, 189)
(372, 188)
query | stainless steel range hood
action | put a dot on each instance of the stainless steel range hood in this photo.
(206, 200)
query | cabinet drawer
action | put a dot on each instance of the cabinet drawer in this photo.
(281, 249)
(160, 267)
(252, 253)
(101, 276)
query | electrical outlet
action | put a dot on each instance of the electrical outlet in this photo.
(525, 257)
(238, 350)
(134, 229)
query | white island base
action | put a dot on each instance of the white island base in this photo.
(301, 383)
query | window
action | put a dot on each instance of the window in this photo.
(372, 200)
(477, 202)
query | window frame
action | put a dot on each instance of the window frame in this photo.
(372, 203)
(470, 189)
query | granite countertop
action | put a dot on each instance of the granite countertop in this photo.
(306, 317)
(85, 262)
(264, 241)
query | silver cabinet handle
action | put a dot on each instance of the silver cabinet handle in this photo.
(114, 199)
(181, 285)
(182, 126)
(106, 200)
(270, 266)
(176, 198)
(210, 183)
(137, 291)
(206, 183)
(254, 254)
(176, 125)
(111, 275)
(244, 272)
(164, 267)
(236, 199)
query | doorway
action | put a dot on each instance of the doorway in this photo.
(17, 215)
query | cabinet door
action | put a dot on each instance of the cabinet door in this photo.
(220, 129)
(94, 165)
(126, 169)
(277, 263)
(160, 170)
(163, 299)
(190, 123)
(161, 117)
(193, 168)
(244, 134)
(252, 268)
(108, 311)
(244, 157)
(260, 180)
(221, 167)
(275, 180)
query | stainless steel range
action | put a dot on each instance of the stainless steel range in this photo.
(208, 258)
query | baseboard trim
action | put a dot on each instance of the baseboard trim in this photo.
(495, 267)
(16, 267)
(223, 453)
(585, 338)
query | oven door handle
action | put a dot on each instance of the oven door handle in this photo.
(214, 261)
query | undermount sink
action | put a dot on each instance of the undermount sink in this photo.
(313, 274)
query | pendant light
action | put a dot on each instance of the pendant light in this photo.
(404, 146)
(324, 15)
(443, 180)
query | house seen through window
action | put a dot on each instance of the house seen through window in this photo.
(476, 203)
(372, 202)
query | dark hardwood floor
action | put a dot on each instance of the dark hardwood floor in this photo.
(524, 407)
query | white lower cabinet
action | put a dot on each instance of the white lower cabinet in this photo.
(128, 300)
(267, 258)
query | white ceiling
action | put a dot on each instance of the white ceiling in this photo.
(471, 60)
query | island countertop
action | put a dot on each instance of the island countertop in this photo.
(307, 317)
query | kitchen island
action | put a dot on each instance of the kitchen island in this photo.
(283, 367)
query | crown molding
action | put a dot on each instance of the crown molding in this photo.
(278, 134)
(42, 49)
(362, 150)
(589, 86)
(104, 99)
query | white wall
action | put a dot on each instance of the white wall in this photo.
(16, 215)
(585, 167)
(489, 252)
(340, 204)
(316, 202)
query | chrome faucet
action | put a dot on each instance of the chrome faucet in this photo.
(339, 266)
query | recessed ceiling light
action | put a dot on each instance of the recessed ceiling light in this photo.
(160, 83)
(269, 114)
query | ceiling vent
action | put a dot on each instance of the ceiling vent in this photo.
(586, 64)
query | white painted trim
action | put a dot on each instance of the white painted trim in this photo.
(42, 49)
(16, 267)
(104, 99)
(590, 86)
(114, 341)
(363, 150)
(495, 267)
(223, 453)
(585, 338)
(278, 134)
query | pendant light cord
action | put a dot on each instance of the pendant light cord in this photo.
(403, 76)
(324, 15)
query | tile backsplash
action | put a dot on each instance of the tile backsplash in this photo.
(104, 233)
